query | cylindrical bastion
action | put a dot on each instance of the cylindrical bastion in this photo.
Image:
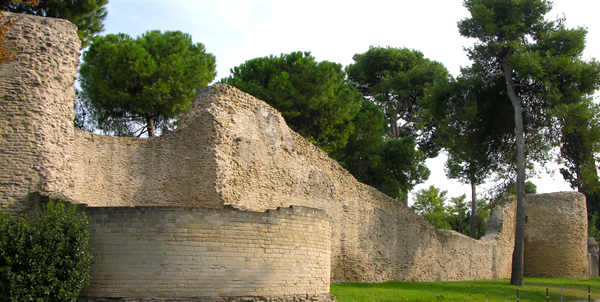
(196, 254)
(556, 236)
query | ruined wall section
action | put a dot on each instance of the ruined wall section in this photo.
(176, 169)
(36, 109)
(556, 236)
(262, 164)
(209, 254)
(500, 230)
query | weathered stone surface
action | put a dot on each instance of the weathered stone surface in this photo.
(556, 236)
(36, 111)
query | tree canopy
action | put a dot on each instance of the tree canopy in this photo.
(579, 149)
(87, 15)
(395, 79)
(134, 86)
(536, 65)
(312, 96)
(429, 204)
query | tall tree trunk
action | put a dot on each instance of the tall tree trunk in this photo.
(516, 277)
(150, 126)
(473, 210)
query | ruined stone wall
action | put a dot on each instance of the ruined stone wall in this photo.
(176, 169)
(36, 109)
(556, 236)
(177, 252)
(263, 165)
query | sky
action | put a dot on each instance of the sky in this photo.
(239, 30)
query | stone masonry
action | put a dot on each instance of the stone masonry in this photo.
(166, 252)
(230, 151)
(36, 124)
(556, 236)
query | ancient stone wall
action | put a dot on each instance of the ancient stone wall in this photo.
(36, 109)
(230, 150)
(263, 165)
(176, 169)
(177, 252)
(556, 236)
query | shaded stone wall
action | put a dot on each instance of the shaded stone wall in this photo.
(593, 257)
(177, 252)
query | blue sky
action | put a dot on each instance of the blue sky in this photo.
(238, 30)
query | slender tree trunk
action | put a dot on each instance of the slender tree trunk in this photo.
(393, 119)
(516, 277)
(150, 126)
(473, 210)
(392, 115)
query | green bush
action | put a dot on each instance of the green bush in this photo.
(45, 257)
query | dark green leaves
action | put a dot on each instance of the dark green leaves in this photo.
(312, 96)
(395, 79)
(149, 81)
(46, 257)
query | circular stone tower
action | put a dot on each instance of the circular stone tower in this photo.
(556, 236)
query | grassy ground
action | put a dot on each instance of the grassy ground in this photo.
(496, 290)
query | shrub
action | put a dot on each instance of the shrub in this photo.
(45, 257)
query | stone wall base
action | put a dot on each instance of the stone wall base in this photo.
(291, 298)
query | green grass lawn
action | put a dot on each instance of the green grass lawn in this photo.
(497, 290)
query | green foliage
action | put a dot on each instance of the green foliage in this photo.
(530, 188)
(398, 167)
(429, 204)
(393, 166)
(459, 214)
(433, 206)
(464, 128)
(46, 257)
(593, 230)
(87, 15)
(395, 79)
(593, 207)
(132, 86)
(312, 96)
(580, 144)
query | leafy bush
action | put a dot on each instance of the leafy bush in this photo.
(46, 257)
